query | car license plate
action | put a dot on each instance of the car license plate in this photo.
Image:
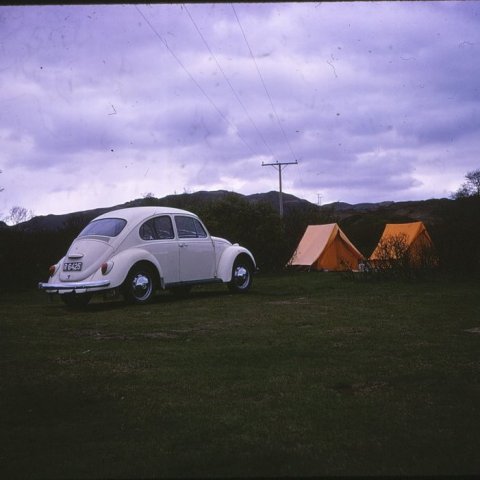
(72, 266)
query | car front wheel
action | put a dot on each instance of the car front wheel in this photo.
(242, 276)
(139, 286)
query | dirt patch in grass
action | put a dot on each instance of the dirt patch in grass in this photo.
(293, 301)
(98, 335)
(359, 388)
(473, 330)
(347, 331)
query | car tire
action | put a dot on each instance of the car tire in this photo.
(139, 286)
(76, 300)
(242, 276)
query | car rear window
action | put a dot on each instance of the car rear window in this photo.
(106, 227)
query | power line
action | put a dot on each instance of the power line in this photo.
(225, 119)
(263, 82)
(228, 81)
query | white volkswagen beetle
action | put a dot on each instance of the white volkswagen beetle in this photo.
(138, 250)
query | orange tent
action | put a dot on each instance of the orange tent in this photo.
(413, 235)
(326, 247)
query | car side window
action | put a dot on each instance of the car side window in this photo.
(201, 233)
(163, 227)
(158, 228)
(189, 227)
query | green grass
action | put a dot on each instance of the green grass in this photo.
(308, 374)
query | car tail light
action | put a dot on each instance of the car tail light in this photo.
(52, 270)
(106, 267)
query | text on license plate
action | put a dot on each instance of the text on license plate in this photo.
(72, 266)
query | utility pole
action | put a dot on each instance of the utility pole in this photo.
(279, 166)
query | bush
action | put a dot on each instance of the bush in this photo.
(395, 258)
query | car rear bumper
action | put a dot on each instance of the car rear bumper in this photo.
(78, 287)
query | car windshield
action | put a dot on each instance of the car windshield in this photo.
(106, 227)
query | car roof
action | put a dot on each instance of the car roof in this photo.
(136, 214)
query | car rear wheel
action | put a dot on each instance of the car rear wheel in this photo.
(242, 276)
(139, 286)
(76, 300)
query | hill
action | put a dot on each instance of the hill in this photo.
(428, 211)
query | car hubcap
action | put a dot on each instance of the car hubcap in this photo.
(241, 277)
(141, 286)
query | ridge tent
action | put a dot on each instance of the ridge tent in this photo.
(413, 239)
(326, 247)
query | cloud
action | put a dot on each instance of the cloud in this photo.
(376, 101)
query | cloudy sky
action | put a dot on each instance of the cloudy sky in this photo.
(103, 104)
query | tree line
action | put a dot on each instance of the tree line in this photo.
(26, 255)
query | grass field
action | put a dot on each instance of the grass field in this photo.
(308, 374)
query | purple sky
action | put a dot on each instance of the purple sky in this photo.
(103, 104)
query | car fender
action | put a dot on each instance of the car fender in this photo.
(227, 259)
(124, 261)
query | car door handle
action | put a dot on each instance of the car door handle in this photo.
(183, 244)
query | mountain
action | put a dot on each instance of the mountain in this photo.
(342, 206)
(272, 198)
(427, 211)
